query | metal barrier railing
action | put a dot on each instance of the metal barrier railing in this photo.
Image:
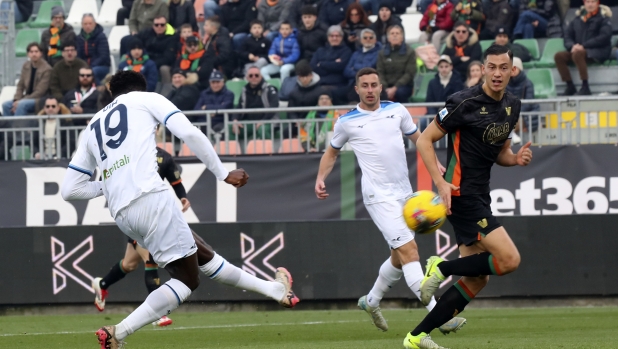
(585, 120)
(8, 72)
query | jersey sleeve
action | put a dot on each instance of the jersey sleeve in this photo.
(160, 107)
(171, 172)
(450, 118)
(408, 127)
(83, 161)
(340, 137)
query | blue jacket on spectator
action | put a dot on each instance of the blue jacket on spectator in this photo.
(291, 50)
(323, 63)
(223, 99)
(93, 49)
(523, 88)
(148, 68)
(361, 60)
(436, 92)
(332, 12)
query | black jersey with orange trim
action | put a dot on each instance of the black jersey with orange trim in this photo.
(168, 170)
(477, 127)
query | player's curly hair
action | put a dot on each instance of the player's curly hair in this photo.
(127, 81)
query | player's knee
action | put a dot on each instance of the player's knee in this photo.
(192, 281)
(129, 265)
(510, 263)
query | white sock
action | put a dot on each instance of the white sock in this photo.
(387, 278)
(226, 273)
(413, 273)
(158, 303)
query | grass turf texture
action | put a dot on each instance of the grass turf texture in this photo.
(547, 328)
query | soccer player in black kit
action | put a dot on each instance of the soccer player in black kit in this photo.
(478, 122)
(134, 253)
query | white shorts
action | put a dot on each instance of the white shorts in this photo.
(157, 224)
(388, 216)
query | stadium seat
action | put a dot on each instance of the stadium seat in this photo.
(23, 38)
(7, 94)
(411, 26)
(185, 151)
(43, 17)
(276, 83)
(107, 15)
(118, 32)
(233, 149)
(236, 88)
(168, 147)
(291, 146)
(259, 147)
(552, 46)
(21, 152)
(543, 81)
(532, 45)
(420, 90)
(485, 44)
(79, 8)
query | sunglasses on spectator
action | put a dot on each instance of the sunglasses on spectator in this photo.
(48, 106)
(160, 24)
(85, 75)
(461, 31)
(254, 75)
(192, 44)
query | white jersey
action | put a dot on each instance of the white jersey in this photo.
(120, 140)
(377, 141)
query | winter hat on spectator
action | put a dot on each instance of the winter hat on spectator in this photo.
(135, 43)
(502, 30)
(58, 11)
(309, 10)
(387, 3)
(179, 71)
(517, 63)
(192, 40)
(216, 76)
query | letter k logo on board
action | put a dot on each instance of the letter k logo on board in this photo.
(60, 273)
(248, 253)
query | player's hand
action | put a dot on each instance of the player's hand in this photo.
(185, 204)
(237, 178)
(440, 167)
(524, 155)
(320, 190)
(444, 190)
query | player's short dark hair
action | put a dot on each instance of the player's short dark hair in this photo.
(33, 44)
(256, 22)
(496, 50)
(303, 68)
(286, 23)
(366, 71)
(126, 81)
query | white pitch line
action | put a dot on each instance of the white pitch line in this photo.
(183, 328)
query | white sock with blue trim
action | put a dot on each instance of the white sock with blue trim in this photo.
(159, 302)
(226, 273)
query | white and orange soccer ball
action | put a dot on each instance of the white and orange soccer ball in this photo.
(424, 212)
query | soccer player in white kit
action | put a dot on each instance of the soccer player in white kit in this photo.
(120, 139)
(374, 131)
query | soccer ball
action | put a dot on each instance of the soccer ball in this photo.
(424, 212)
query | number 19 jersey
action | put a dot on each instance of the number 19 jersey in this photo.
(120, 140)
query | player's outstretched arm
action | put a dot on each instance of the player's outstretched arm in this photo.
(326, 166)
(77, 186)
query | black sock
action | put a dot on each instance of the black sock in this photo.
(474, 265)
(584, 83)
(151, 275)
(570, 84)
(113, 276)
(452, 302)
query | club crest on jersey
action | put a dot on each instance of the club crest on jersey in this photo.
(508, 111)
(443, 113)
(484, 111)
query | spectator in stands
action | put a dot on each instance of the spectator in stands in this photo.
(306, 91)
(283, 53)
(522, 88)
(22, 9)
(355, 21)
(254, 49)
(272, 13)
(58, 33)
(475, 74)
(385, 20)
(498, 13)
(53, 107)
(317, 134)
(502, 38)
(144, 12)
(330, 61)
(401, 6)
(470, 12)
(160, 42)
(182, 12)
(396, 67)
(446, 82)
(65, 74)
(311, 33)
(333, 12)
(184, 93)
(463, 46)
(365, 57)
(33, 83)
(105, 97)
(138, 60)
(215, 97)
(256, 94)
(436, 23)
(219, 54)
(236, 16)
(587, 39)
(211, 7)
(124, 12)
(538, 19)
(93, 47)
(186, 31)
(189, 60)
(83, 99)
(296, 9)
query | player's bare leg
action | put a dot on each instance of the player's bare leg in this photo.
(220, 270)
(116, 273)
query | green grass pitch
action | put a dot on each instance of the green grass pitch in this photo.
(546, 328)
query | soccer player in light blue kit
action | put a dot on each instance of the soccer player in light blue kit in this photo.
(374, 130)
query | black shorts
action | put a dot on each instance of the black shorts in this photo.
(471, 218)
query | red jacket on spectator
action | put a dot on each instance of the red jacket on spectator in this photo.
(438, 16)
